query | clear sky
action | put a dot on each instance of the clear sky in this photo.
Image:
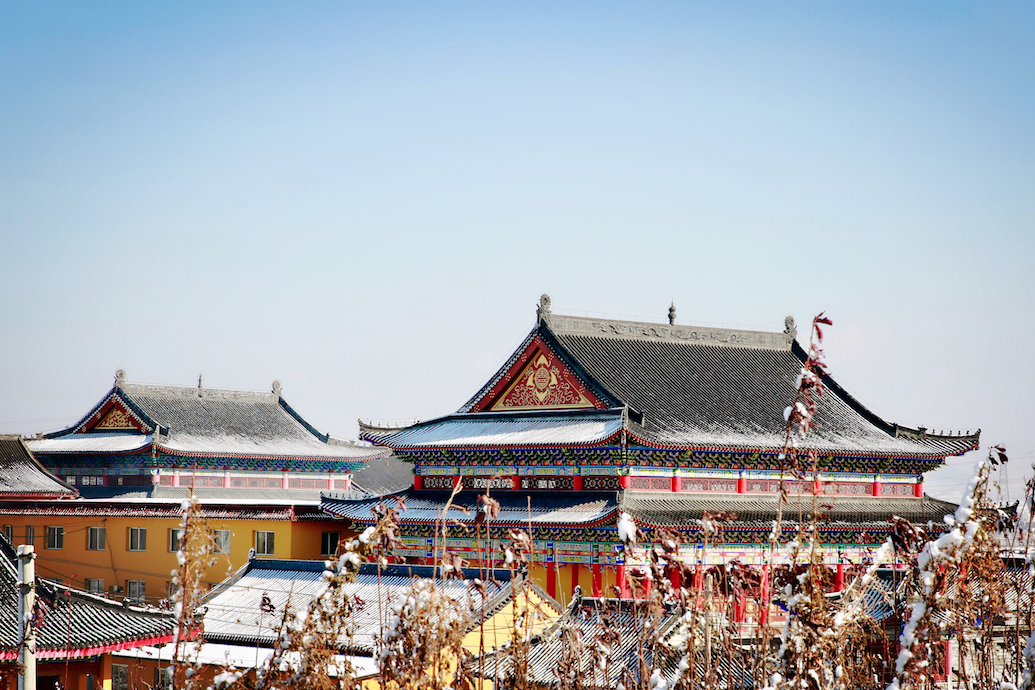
(365, 201)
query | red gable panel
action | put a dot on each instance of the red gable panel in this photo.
(541, 382)
(114, 416)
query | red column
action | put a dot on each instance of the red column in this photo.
(763, 614)
(677, 484)
(699, 577)
(817, 487)
(839, 577)
(947, 670)
(598, 581)
(675, 577)
(574, 577)
(551, 579)
(918, 490)
(418, 482)
(742, 484)
(876, 487)
(284, 480)
(623, 481)
(456, 480)
(738, 608)
(623, 587)
(577, 482)
(515, 482)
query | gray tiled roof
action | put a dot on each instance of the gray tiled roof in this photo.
(233, 614)
(495, 429)
(581, 508)
(669, 509)
(205, 422)
(688, 387)
(381, 476)
(22, 475)
(75, 624)
(231, 510)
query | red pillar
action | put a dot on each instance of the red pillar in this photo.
(598, 581)
(817, 487)
(738, 608)
(876, 487)
(839, 577)
(623, 586)
(418, 482)
(699, 577)
(918, 490)
(763, 614)
(947, 669)
(677, 484)
(515, 482)
(577, 482)
(551, 579)
(742, 484)
(456, 480)
(623, 481)
(574, 577)
(675, 577)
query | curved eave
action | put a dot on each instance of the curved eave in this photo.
(495, 523)
(719, 448)
(603, 443)
(258, 456)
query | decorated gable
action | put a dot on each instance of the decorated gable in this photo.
(114, 417)
(542, 381)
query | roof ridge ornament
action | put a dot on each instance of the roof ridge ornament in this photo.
(543, 311)
(120, 377)
(789, 327)
(672, 313)
(201, 385)
(275, 388)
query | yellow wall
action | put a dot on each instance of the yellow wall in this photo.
(116, 564)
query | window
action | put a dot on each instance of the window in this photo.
(175, 535)
(30, 534)
(9, 533)
(95, 539)
(135, 591)
(264, 543)
(94, 586)
(119, 677)
(137, 539)
(222, 541)
(55, 537)
(329, 543)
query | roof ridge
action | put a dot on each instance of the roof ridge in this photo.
(689, 334)
(198, 392)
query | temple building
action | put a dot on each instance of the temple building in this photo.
(156, 441)
(590, 418)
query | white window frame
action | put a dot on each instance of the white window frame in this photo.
(175, 537)
(30, 534)
(221, 541)
(136, 539)
(55, 537)
(94, 585)
(136, 590)
(324, 543)
(268, 541)
(95, 539)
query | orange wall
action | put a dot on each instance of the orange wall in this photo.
(116, 564)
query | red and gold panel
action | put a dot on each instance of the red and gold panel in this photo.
(542, 382)
(113, 417)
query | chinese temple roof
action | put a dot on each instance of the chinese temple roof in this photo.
(586, 508)
(234, 614)
(21, 476)
(198, 422)
(679, 387)
(74, 624)
(685, 510)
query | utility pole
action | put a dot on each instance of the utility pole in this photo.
(26, 617)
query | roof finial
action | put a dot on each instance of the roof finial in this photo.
(276, 388)
(672, 313)
(544, 306)
(201, 384)
(120, 377)
(789, 328)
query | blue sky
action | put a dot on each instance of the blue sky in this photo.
(366, 200)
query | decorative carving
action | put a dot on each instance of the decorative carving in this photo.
(544, 383)
(544, 306)
(578, 325)
(672, 314)
(789, 328)
(116, 419)
(120, 377)
(276, 388)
